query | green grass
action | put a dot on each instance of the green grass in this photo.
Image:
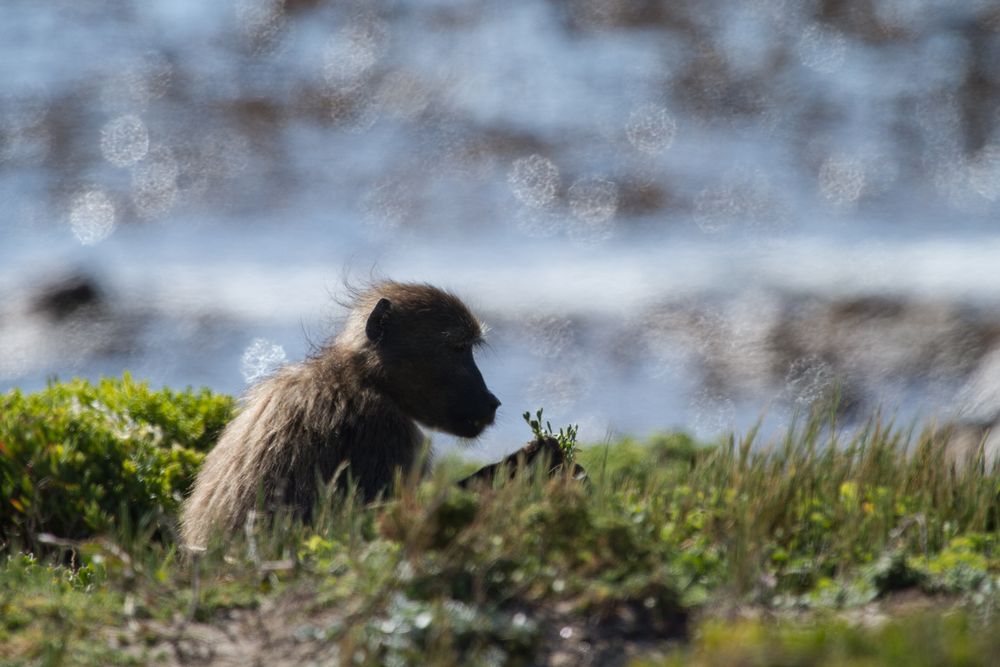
(918, 640)
(669, 541)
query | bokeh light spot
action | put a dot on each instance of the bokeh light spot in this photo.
(260, 359)
(351, 53)
(534, 180)
(650, 129)
(822, 50)
(124, 140)
(842, 180)
(154, 183)
(594, 202)
(92, 216)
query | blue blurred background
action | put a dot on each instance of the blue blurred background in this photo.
(672, 214)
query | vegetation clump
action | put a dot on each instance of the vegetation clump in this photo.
(566, 437)
(77, 459)
(800, 539)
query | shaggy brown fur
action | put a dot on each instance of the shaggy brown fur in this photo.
(405, 356)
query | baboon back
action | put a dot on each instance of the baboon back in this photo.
(293, 434)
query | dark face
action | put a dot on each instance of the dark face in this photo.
(427, 359)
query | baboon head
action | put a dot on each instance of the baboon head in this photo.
(422, 340)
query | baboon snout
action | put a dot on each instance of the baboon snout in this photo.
(490, 403)
(486, 412)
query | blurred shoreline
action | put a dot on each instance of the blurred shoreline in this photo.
(672, 214)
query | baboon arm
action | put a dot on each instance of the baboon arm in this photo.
(541, 450)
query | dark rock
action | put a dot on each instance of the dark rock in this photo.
(866, 307)
(637, 198)
(598, 14)
(67, 297)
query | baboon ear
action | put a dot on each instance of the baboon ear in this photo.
(375, 328)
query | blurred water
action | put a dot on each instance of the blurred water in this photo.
(646, 200)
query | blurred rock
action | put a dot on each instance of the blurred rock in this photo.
(807, 350)
(711, 89)
(66, 322)
(979, 400)
(636, 198)
(885, 338)
(967, 441)
(68, 296)
(584, 14)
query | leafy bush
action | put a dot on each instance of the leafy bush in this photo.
(76, 457)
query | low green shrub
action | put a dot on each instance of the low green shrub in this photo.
(925, 640)
(637, 462)
(78, 458)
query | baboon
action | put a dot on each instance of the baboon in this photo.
(405, 356)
